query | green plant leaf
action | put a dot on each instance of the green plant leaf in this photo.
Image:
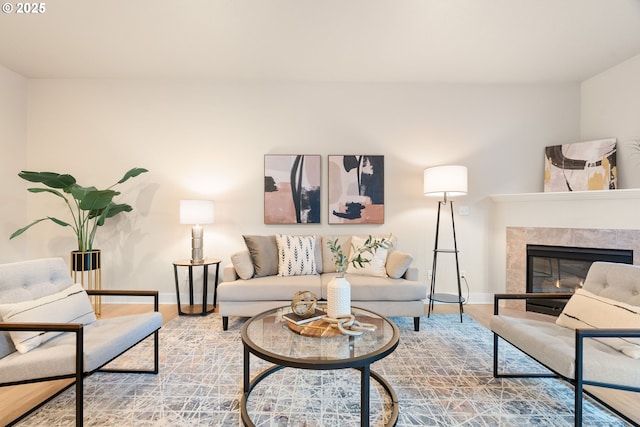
(46, 190)
(23, 229)
(78, 192)
(97, 199)
(131, 174)
(50, 179)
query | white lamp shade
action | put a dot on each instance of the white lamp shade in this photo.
(449, 180)
(196, 212)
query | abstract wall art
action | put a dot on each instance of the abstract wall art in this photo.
(581, 166)
(292, 189)
(356, 189)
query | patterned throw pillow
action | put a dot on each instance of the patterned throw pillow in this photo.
(296, 255)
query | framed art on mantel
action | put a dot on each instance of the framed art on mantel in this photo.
(581, 166)
(291, 189)
(356, 189)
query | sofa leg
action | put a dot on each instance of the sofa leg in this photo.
(225, 323)
(416, 324)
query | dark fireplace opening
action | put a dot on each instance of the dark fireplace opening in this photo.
(562, 269)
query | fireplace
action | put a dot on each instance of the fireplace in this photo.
(562, 269)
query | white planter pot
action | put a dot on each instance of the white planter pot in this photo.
(338, 297)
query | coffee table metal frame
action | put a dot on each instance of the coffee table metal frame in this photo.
(361, 363)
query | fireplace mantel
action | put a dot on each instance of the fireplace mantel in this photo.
(623, 194)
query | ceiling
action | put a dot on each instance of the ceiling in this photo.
(455, 41)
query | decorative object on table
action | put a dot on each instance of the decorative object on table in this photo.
(292, 189)
(304, 304)
(356, 189)
(197, 213)
(296, 319)
(580, 166)
(445, 182)
(338, 288)
(89, 208)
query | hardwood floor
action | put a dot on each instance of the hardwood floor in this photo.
(16, 400)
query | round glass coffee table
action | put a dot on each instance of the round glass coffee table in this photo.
(268, 336)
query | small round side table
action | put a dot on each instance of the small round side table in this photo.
(197, 309)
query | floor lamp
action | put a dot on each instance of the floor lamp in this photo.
(445, 182)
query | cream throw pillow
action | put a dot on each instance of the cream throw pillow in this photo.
(242, 264)
(587, 310)
(296, 255)
(398, 263)
(71, 305)
(375, 266)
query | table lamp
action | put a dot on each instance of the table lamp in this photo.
(196, 213)
(445, 182)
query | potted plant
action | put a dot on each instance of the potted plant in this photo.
(88, 206)
(338, 288)
(370, 246)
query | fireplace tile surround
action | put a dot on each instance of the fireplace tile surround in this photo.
(519, 237)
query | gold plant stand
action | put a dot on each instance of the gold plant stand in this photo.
(86, 270)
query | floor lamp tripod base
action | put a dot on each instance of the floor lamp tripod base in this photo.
(443, 297)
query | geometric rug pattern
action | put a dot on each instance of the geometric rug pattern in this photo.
(441, 375)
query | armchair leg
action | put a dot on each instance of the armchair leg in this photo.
(156, 352)
(416, 324)
(225, 323)
(79, 377)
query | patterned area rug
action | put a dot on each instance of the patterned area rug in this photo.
(442, 376)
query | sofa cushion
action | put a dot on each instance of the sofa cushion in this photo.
(372, 288)
(377, 259)
(242, 264)
(553, 346)
(104, 339)
(264, 254)
(296, 255)
(72, 305)
(587, 310)
(271, 288)
(397, 264)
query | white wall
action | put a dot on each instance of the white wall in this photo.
(205, 140)
(13, 139)
(611, 107)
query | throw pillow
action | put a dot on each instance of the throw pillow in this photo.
(242, 264)
(398, 263)
(587, 310)
(296, 255)
(264, 254)
(71, 305)
(377, 260)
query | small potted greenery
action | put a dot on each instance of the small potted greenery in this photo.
(356, 257)
(338, 288)
(88, 206)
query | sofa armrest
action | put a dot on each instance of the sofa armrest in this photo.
(229, 273)
(411, 274)
(127, 293)
(526, 296)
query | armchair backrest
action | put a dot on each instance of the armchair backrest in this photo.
(28, 280)
(620, 282)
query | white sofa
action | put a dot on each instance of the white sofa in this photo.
(573, 348)
(398, 294)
